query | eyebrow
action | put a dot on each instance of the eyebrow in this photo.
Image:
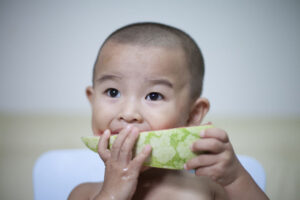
(106, 77)
(161, 82)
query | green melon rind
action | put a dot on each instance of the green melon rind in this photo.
(170, 147)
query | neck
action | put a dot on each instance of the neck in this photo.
(152, 173)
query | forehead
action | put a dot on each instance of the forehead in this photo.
(138, 60)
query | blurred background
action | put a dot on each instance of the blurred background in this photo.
(251, 51)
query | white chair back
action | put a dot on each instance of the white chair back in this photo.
(57, 172)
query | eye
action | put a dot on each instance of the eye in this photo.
(112, 92)
(154, 96)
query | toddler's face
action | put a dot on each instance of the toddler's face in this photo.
(148, 87)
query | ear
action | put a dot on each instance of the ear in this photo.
(199, 110)
(90, 94)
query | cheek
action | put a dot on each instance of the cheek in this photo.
(96, 123)
(101, 118)
(166, 122)
(169, 117)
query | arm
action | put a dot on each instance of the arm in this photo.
(245, 187)
(85, 191)
(220, 163)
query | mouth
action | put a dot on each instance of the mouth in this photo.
(114, 132)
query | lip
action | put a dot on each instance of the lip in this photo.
(115, 132)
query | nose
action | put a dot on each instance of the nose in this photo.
(130, 113)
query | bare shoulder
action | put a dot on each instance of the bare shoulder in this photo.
(85, 191)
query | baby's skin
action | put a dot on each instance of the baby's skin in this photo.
(141, 88)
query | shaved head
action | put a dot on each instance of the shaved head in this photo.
(160, 35)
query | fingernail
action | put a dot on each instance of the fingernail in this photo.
(202, 133)
(106, 132)
(128, 127)
(185, 167)
(147, 148)
(135, 130)
(191, 147)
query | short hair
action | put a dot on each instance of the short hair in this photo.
(161, 35)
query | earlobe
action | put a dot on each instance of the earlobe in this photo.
(90, 94)
(198, 111)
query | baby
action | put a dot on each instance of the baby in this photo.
(148, 76)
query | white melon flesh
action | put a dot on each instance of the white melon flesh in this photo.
(170, 147)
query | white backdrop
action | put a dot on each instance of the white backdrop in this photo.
(252, 50)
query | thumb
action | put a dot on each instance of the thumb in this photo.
(207, 123)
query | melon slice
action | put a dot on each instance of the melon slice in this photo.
(170, 147)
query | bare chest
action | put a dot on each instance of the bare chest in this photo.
(169, 193)
(173, 188)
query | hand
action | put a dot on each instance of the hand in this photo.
(217, 159)
(121, 170)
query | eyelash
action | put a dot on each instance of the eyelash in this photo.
(109, 92)
(157, 96)
(153, 96)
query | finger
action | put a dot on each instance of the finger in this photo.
(202, 160)
(205, 171)
(215, 133)
(127, 147)
(213, 172)
(207, 123)
(138, 161)
(103, 150)
(116, 147)
(211, 145)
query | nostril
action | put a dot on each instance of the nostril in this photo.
(131, 118)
